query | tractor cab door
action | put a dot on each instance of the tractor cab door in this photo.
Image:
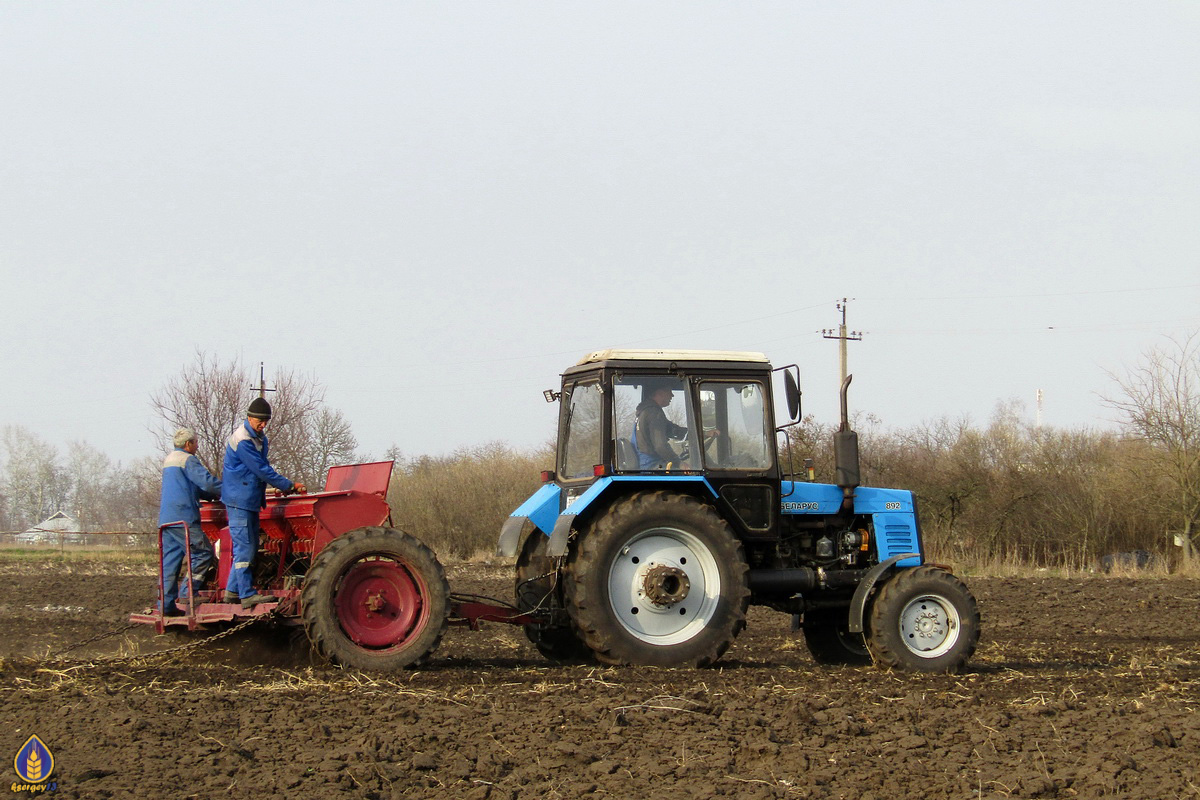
(738, 450)
(653, 424)
(581, 429)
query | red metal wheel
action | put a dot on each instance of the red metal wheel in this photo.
(381, 604)
(375, 598)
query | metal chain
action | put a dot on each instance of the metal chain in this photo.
(104, 635)
(170, 652)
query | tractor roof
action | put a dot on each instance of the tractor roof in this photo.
(673, 355)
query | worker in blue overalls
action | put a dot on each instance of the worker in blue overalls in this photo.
(244, 481)
(184, 481)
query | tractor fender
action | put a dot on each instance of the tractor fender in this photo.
(542, 508)
(858, 603)
(560, 536)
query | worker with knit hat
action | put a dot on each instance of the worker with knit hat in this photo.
(244, 492)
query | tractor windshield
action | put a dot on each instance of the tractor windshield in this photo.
(653, 425)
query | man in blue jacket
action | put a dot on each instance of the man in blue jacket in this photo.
(184, 482)
(244, 492)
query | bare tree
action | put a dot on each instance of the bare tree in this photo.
(211, 398)
(33, 485)
(208, 397)
(1160, 402)
(296, 403)
(90, 478)
(327, 441)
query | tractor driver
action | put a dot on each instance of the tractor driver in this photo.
(184, 481)
(652, 429)
(244, 492)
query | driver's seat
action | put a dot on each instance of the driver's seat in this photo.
(627, 456)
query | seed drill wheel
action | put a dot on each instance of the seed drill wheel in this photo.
(658, 579)
(375, 599)
(923, 620)
(827, 634)
(539, 586)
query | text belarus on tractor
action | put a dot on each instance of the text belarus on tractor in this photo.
(633, 553)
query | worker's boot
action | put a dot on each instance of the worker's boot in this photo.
(230, 597)
(258, 599)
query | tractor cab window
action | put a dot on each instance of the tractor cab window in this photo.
(653, 425)
(582, 430)
(737, 412)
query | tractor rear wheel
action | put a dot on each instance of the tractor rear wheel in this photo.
(827, 634)
(923, 620)
(658, 579)
(375, 599)
(539, 586)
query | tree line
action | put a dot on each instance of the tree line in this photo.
(208, 396)
(1004, 490)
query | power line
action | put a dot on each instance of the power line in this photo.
(842, 336)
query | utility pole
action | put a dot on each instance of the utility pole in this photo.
(843, 336)
(262, 381)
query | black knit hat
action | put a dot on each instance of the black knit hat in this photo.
(259, 409)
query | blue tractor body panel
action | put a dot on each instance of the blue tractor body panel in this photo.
(542, 507)
(891, 510)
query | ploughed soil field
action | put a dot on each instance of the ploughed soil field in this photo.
(1084, 687)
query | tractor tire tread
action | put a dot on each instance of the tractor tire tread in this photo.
(320, 618)
(587, 604)
(890, 655)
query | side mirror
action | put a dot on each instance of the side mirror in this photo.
(791, 390)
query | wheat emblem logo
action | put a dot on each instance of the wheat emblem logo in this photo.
(34, 762)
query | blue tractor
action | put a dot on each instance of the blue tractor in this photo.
(670, 511)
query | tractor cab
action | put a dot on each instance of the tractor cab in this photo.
(698, 421)
(650, 415)
(716, 403)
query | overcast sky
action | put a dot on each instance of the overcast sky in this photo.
(435, 208)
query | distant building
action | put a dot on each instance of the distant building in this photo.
(58, 528)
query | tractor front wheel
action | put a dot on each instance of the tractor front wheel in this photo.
(375, 599)
(924, 619)
(658, 579)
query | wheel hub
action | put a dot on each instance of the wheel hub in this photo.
(664, 585)
(379, 604)
(929, 626)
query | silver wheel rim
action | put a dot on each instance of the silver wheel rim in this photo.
(929, 626)
(676, 553)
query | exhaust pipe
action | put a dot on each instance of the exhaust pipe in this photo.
(845, 453)
(798, 580)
